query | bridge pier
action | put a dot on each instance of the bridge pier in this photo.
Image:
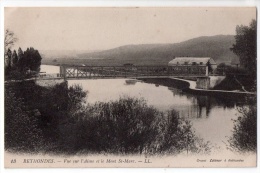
(203, 82)
(63, 72)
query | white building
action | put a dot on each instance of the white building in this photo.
(190, 61)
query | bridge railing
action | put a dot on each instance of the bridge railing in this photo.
(132, 71)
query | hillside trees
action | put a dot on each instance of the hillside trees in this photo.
(245, 47)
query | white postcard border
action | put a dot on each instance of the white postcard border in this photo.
(13, 3)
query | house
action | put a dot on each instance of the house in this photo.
(190, 61)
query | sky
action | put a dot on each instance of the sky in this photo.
(97, 28)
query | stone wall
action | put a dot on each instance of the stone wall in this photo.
(208, 82)
(203, 83)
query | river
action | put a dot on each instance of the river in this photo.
(211, 117)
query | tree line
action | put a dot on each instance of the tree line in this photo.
(22, 62)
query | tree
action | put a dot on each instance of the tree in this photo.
(20, 58)
(33, 59)
(20, 53)
(14, 59)
(9, 58)
(245, 46)
(30, 59)
(10, 39)
(244, 138)
(210, 69)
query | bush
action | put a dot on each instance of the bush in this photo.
(129, 126)
(244, 137)
(22, 132)
(76, 97)
(32, 113)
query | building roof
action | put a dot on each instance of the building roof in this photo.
(191, 60)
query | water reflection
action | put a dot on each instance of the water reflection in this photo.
(203, 104)
(207, 113)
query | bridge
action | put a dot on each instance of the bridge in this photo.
(200, 72)
(88, 72)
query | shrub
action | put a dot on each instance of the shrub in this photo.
(76, 97)
(244, 138)
(129, 126)
(22, 132)
(33, 113)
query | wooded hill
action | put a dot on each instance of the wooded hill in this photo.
(217, 47)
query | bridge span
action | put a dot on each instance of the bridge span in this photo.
(200, 72)
(89, 72)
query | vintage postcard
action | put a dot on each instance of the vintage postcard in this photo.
(130, 87)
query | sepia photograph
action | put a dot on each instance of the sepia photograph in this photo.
(130, 87)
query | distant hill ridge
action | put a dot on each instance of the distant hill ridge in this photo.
(217, 47)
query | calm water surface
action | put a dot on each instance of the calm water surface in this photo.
(49, 69)
(211, 117)
(211, 121)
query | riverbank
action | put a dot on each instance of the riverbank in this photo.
(190, 87)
